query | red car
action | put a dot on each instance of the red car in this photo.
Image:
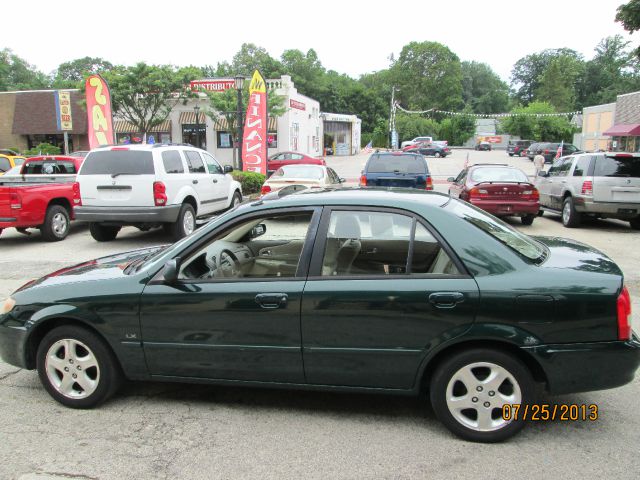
(501, 190)
(274, 162)
(43, 196)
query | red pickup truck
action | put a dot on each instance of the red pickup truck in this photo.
(41, 196)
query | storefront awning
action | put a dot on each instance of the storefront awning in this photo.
(222, 125)
(122, 126)
(623, 130)
(189, 118)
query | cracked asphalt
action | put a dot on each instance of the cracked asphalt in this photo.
(176, 431)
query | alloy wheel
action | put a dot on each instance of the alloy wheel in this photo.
(59, 224)
(188, 222)
(72, 368)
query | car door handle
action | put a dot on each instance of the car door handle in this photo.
(446, 299)
(194, 181)
(271, 301)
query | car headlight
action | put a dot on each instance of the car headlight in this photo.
(7, 306)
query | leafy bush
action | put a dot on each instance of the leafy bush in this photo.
(251, 182)
(43, 149)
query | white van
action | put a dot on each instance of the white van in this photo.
(152, 185)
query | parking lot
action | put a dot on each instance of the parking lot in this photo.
(156, 430)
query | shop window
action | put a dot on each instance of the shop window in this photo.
(272, 140)
(195, 135)
(225, 139)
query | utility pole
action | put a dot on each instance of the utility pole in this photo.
(393, 135)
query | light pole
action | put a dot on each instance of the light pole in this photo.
(239, 82)
(197, 110)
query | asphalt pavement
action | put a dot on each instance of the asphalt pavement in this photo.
(179, 431)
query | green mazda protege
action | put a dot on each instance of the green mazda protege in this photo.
(389, 291)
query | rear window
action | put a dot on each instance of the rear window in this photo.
(494, 174)
(397, 163)
(299, 172)
(617, 167)
(4, 164)
(121, 162)
(48, 168)
(172, 161)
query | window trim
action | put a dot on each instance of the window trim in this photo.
(315, 266)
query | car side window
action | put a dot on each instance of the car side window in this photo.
(582, 166)
(264, 247)
(378, 244)
(172, 161)
(286, 156)
(555, 169)
(296, 156)
(4, 164)
(195, 162)
(333, 176)
(565, 167)
(461, 177)
(212, 165)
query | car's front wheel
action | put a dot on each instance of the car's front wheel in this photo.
(76, 367)
(103, 233)
(469, 391)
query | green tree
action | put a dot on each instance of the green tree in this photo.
(530, 122)
(249, 58)
(71, 74)
(17, 74)
(483, 91)
(428, 75)
(628, 14)
(306, 71)
(457, 129)
(144, 95)
(559, 82)
(411, 125)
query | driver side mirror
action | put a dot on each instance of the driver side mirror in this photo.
(451, 179)
(342, 179)
(227, 169)
(258, 230)
(171, 269)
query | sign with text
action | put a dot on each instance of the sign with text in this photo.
(63, 110)
(254, 140)
(490, 139)
(212, 85)
(99, 117)
(296, 104)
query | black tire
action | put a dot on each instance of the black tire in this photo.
(437, 154)
(103, 379)
(56, 224)
(1, 231)
(570, 218)
(235, 200)
(511, 154)
(499, 360)
(635, 224)
(103, 233)
(178, 230)
(528, 219)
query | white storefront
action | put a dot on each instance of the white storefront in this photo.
(343, 132)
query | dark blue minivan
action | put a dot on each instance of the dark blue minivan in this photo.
(396, 169)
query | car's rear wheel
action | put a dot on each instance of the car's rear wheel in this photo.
(528, 219)
(103, 233)
(437, 155)
(185, 223)
(469, 390)
(56, 224)
(570, 217)
(635, 224)
(76, 367)
(511, 154)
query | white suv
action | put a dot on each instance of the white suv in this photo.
(152, 185)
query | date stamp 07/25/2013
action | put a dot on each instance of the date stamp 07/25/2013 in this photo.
(547, 412)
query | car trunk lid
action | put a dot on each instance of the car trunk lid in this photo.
(508, 191)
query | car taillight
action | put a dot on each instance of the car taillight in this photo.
(531, 194)
(265, 189)
(363, 180)
(624, 312)
(429, 184)
(15, 201)
(587, 187)
(77, 199)
(546, 152)
(477, 193)
(159, 194)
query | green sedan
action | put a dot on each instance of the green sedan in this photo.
(389, 291)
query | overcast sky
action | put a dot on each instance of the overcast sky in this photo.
(349, 36)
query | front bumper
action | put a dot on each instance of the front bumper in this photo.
(610, 209)
(584, 367)
(13, 344)
(128, 215)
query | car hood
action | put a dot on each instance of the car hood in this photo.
(566, 253)
(112, 266)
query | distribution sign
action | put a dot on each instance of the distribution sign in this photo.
(213, 85)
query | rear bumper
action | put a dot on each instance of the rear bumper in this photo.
(584, 367)
(503, 207)
(610, 209)
(128, 215)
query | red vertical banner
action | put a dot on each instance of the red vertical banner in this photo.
(99, 115)
(254, 140)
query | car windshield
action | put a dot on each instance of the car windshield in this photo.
(397, 163)
(300, 172)
(118, 162)
(496, 174)
(522, 244)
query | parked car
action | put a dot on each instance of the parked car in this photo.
(395, 169)
(416, 140)
(152, 185)
(7, 162)
(502, 190)
(79, 153)
(432, 150)
(43, 195)
(483, 146)
(600, 185)
(534, 149)
(397, 292)
(274, 162)
(518, 147)
(550, 150)
(303, 176)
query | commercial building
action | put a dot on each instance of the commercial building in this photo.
(342, 133)
(595, 121)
